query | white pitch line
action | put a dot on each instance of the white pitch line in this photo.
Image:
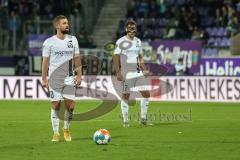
(30, 121)
(216, 119)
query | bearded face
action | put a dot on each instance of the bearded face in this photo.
(131, 30)
(65, 31)
(63, 26)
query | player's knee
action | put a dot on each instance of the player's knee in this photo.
(125, 97)
(56, 105)
(69, 104)
(146, 94)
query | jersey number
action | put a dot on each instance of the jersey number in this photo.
(51, 94)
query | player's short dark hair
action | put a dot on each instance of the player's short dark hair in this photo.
(57, 18)
(131, 23)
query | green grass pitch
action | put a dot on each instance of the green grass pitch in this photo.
(212, 134)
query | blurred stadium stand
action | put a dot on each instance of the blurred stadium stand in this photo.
(95, 22)
(213, 21)
(107, 23)
(22, 17)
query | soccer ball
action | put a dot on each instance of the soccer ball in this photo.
(102, 136)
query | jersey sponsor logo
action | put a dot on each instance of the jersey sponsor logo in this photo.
(61, 53)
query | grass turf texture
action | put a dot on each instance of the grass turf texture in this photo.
(213, 133)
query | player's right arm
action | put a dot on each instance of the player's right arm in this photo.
(116, 60)
(77, 63)
(45, 63)
(117, 67)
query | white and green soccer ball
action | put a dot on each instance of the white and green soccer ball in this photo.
(102, 136)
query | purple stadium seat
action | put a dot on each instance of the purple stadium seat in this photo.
(208, 29)
(157, 22)
(158, 33)
(225, 42)
(152, 21)
(202, 11)
(162, 22)
(211, 21)
(238, 6)
(139, 21)
(222, 32)
(208, 52)
(143, 8)
(207, 21)
(217, 42)
(228, 42)
(214, 52)
(210, 42)
(203, 52)
(214, 31)
(211, 52)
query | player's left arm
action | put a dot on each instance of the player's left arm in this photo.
(143, 65)
(77, 63)
(141, 61)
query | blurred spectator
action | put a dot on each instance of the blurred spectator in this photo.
(224, 15)
(46, 8)
(219, 18)
(91, 43)
(85, 40)
(194, 16)
(61, 7)
(196, 34)
(76, 16)
(185, 24)
(162, 7)
(4, 3)
(25, 9)
(233, 25)
(117, 36)
(183, 19)
(143, 8)
(14, 23)
(153, 9)
(13, 5)
(121, 27)
(21, 65)
(24, 15)
(131, 4)
(204, 36)
(4, 37)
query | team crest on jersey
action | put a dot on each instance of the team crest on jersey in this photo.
(69, 44)
(137, 45)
